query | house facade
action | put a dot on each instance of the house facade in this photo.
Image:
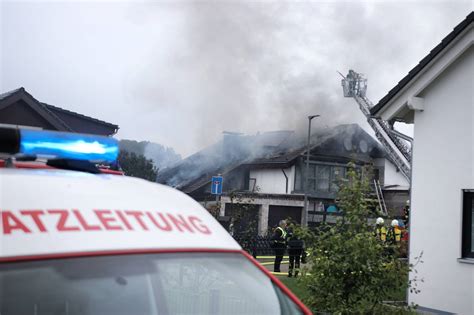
(437, 97)
(269, 181)
(276, 184)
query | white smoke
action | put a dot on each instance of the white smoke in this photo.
(258, 66)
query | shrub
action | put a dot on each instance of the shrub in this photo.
(350, 270)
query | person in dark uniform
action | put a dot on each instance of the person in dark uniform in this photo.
(295, 251)
(279, 244)
(406, 213)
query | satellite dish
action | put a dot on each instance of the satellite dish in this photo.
(348, 144)
(363, 146)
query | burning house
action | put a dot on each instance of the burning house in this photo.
(267, 172)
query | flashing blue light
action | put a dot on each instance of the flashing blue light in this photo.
(65, 145)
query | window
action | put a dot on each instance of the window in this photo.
(324, 178)
(298, 178)
(468, 224)
(337, 173)
(185, 283)
(321, 177)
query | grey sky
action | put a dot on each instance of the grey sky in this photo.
(179, 73)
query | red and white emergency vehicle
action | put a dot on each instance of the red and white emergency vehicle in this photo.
(87, 242)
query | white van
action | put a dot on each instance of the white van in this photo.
(89, 241)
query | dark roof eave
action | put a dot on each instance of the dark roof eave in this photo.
(8, 94)
(194, 185)
(423, 63)
(46, 109)
(52, 107)
(279, 164)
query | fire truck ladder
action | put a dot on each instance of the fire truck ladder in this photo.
(380, 198)
(355, 86)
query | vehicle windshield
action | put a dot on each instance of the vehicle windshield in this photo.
(177, 283)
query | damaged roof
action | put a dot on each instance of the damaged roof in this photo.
(227, 154)
(278, 149)
(331, 143)
(423, 63)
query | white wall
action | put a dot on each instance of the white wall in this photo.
(443, 165)
(272, 181)
(394, 177)
(391, 176)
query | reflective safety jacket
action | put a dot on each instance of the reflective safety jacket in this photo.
(394, 235)
(381, 233)
(283, 233)
(279, 237)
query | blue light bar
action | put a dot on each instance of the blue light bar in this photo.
(65, 145)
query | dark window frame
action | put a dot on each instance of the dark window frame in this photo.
(314, 179)
(467, 230)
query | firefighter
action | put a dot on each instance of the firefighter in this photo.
(406, 213)
(279, 244)
(295, 252)
(380, 230)
(394, 234)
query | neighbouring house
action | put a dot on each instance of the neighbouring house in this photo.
(266, 170)
(437, 97)
(20, 109)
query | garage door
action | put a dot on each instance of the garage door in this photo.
(277, 213)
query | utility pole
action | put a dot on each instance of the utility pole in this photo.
(308, 148)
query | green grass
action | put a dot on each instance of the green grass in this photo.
(295, 286)
(300, 291)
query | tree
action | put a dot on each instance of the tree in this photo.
(161, 156)
(244, 220)
(137, 166)
(350, 270)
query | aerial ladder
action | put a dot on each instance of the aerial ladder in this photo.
(355, 86)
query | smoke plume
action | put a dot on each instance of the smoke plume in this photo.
(259, 66)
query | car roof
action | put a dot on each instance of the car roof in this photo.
(51, 211)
